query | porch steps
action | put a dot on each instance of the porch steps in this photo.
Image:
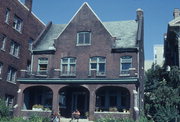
(69, 120)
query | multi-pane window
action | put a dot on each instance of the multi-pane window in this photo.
(14, 49)
(43, 65)
(17, 24)
(126, 63)
(11, 76)
(1, 67)
(3, 39)
(7, 15)
(68, 66)
(98, 64)
(83, 38)
(9, 101)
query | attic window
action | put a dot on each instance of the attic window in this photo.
(83, 38)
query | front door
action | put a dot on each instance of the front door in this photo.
(79, 101)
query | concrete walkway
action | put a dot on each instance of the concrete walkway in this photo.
(69, 120)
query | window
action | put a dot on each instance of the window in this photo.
(9, 101)
(83, 38)
(11, 76)
(28, 66)
(14, 49)
(17, 24)
(7, 15)
(62, 100)
(3, 39)
(1, 66)
(42, 65)
(97, 64)
(126, 63)
(68, 66)
(30, 42)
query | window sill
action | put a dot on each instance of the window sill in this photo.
(124, 75)
(83, 44)
(2, 49)
(14, 56)
(19, 31)
(12, 82)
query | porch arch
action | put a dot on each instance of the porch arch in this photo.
(73, 97)
(112, 98)
(37, 95)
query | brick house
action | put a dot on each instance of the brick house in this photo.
(18, 26)
(172, 41)
(89, 65)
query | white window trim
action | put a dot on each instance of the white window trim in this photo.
(121, 62)
(3, 42)
(14, 50)
(11, 76)
(83, 44)
(68, 67)
(18, 23)
(97, 68)
(1, 68)
(44, 62)
(7, 15)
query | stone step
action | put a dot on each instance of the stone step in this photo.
(69, 120)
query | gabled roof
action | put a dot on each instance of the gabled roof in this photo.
(175, 22)
(125, 32)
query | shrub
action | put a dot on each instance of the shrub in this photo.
(4, 110)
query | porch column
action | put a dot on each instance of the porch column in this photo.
(17, 108)
(92, 99)
(55, 103)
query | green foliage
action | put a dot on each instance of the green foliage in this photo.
(4, 110)
(109, 119)
(162, 96)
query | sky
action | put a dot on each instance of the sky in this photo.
(157, 14)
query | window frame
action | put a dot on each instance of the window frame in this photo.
(17, 23)
(1, 68)
(68, 63)
(127, 60)
(84, 38)
(44, 62)
(9, 100)
(7, 15)
(14, 49)
(4, 39)
(11, 75)
(97, 62)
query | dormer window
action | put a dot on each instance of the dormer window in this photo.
(126, 63)
(83, 38)
(42, 65)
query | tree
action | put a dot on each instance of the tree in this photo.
(162, 96)
(4, 110)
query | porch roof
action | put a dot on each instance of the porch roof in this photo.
(130, 80)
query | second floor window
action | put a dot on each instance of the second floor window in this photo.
(30, 42)
(126, 63)
(11, 76)
(7, 15)
(42, 64)
(83, 38)
(98, 64)
(68, 66)
(17, 24)
(14, 49)
(3, 39)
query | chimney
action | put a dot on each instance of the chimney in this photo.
(176, 13)
(139, 13)
(28, 4)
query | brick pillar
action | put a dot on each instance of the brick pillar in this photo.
(18, 106)
(55, 102)
(92, 99)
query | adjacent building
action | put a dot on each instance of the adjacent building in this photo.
(93, 66)
(159, 54)
(172, 41)
(18, 28)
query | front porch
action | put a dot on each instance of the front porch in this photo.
(92, 100)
